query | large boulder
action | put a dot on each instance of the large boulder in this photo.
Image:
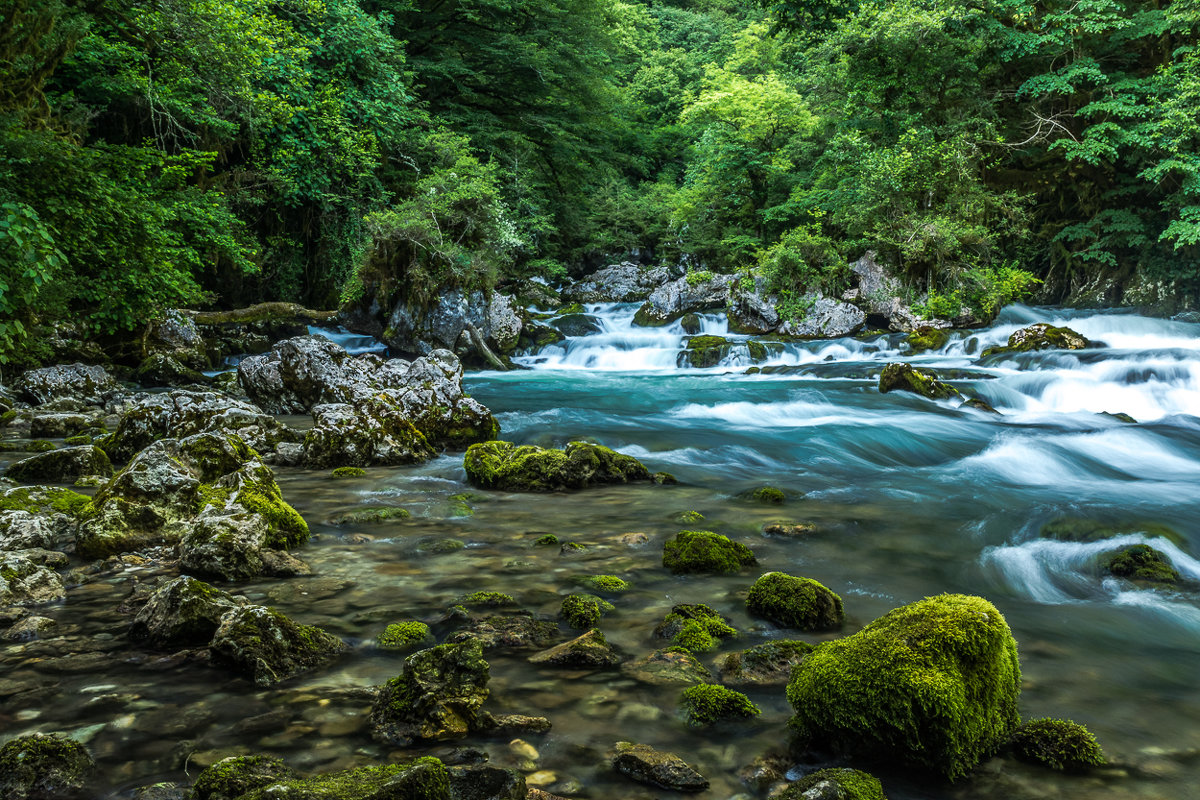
(626, 282)
(26, 581)
(45, 767)
(62, 465)
(268, 647)
(446, 324)
(181, 612)
(795, 602)
(528, 468)
(373, 433)
(657, 768)
(899, 377)
(236, 776)
(437, 697)
(881, 294)
(83, 382)
(178, 414)
(705, 552)
(1041, 336)
(933, 685)
(20, 530)
(751, 309)
(825, 319)
(671, 301)
(175, 336)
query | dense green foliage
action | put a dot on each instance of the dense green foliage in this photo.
(190, 152)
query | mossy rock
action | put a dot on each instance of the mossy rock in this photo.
(794, 602)
(436, 698)
(688, 517)
(766, 495)
(1040, 336)
(899, 377)
(583, 611)
(45, 767)
(926, 338)
(694, 627)
(45, 499)
(488, 600)
(253, 488)
(609, 584)
(269, 647)
(708, 704)
(705, 552)
(705, 351)
(933, 684)
(438, 546)
(348, 472)
(1058, 744)
(181, 612)
(1080, 529)
(425, 779)
(851, 784)
(691, 323)
(528, 468)
(766, 664)
(402, 635)
(371, 516)
(234, 777)
(1141, 562)
(590, 650)
(61, 465)
(39, 446)
(671, 666)
(546, 539)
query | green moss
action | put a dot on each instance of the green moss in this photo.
(694, 638)
(694, 627)
(605, 583)
(1141, 562)
(218, 454)
(933, 684)
(688, 517)
(7, 418)
(546, 539)
(488, 600)
(371, 516)
(927, 338)
(1080, 529)
(349, 472)
(35, 499)
(505, 466)
(906, 378)
(233, 777)
(44, 766)
(440, 546)
(705, 351)
(855, 784)
(758, 350)
(795, 602)
(258, 492)
(424, 779)
(767, 495)
(571, 308)
(583, 611)
(77, 441)
(705, 552)
(707, 704)
(400, 635)
(39, 446)
(1058, 744)
(1040, 336)
(571, 547)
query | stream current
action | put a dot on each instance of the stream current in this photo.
(909, 498)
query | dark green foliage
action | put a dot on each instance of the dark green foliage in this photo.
(707, 704)
(705, 552)
(1058, 744)
(933, 684)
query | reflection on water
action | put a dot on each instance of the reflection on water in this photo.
(908, 498)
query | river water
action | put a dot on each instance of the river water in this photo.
(908, 497)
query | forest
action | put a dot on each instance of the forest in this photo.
(217, 153)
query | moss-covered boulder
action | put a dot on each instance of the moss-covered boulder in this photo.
(519, 631)
(234, 777)
(268, 647)
(1058, 744)
(1041, 336)
(161, 369)
(927, 338)
(694, 627)
(583, 611)
(1082, 529)
(61, 466)
(1140, 562)
(26, 581)
(795, 602)
(403, 635)
(708, 704)
(705, 552)
(665, 770)
(766, 664)
(841, 783)
(372, 433)
(704, 351)
(587, 651)
(933, 685)
(181, 612)
(20, 530)
(528, 468)
(899, 377)
(436, 698)
(45, 767)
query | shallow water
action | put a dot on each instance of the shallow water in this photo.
(909, 497)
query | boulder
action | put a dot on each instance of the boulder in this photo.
(482, 782)
(657, 768)
(176, 337)
(24, 581)
(261, 778)
(45, 767)
(436, 698)
(374, 433)
(751, 310)
(161, 369)
(447, 323)
(705, 552)
(1140, 562)
(61, 466)
(1058, 744)
(704, 351)
(303, 372)
(695, 292)
(57, 425)
(179, 414)
(825, 319)
(1041, 336)
(268, 647)
(795, 602)
(926, 338)
(86, 383)
(588, 651)
(766, 664)
(932, 685)
(882, 295)
(180, 613)
(837, 783)
(528, 468)
(21, 530)
(626, 282)
(898, 377)
(231, 778)
(707, 704)
(673, 666)
(234, 546)
(519, 631)
(695, 627)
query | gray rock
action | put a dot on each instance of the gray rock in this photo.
(881, 294)
(30, 628)
(20, 530)
(669, 667)
(87, 383)
(657, 768)
(60, 466)
(436, 698)
(181, 612)
(177, 337)
(577, 325)
(486, 783)
(626, 282)
(25, 582)
(58, 425)
(443, 326)
(590, 650)
(751, 310)
(225, 546)
(826, 319)
(671, 301)
(268, 647)
(303, 372)
(160, 369)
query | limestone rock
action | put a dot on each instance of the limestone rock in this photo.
(626, 282)
(590, 651)
(25, 582)
(83, 382)
(436, 698)
(180, 613)
(671, 301)
(268, 647)
(826, 319)
(1041, 336)
(45, 767)
(60, 466)
(528, 468)
(898, 377)
(669, 667)
(177, 337)
(20, 530)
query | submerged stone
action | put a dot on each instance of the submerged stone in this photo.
(795, 602)
(838, 783)
(528, 468)
(1141, 562)
(673, 666)
(181, 612)
(766, 664)
(425, 779)
(933, 684)
(61, 466)
(232, 778)
(590, 650)
(705, 552)
(1041, 336)
(657, 768)
(516, 631)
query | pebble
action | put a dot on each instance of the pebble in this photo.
(523, 749)
(26, 714)
(541, 778)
